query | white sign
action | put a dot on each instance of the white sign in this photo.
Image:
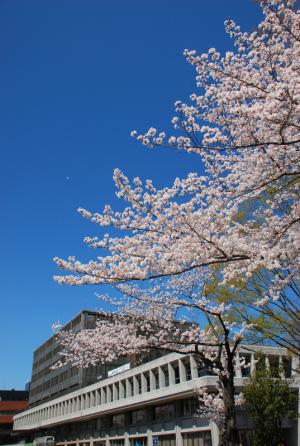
(118, 370)
(154, 440)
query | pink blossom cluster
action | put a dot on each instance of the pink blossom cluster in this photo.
(244, 124)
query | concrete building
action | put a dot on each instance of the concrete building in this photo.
(46, 383)
(11, 402)
(152, 404)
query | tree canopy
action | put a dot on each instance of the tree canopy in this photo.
(241, 216)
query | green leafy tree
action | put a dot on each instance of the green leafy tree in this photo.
(274, 320)
(269, 400)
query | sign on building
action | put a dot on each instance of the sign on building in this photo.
(154, 440)
(118, 370)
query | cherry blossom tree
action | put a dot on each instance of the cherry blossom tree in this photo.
(167, 317)
(243, 123)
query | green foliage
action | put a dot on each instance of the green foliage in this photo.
(269, 400)
(277, 321)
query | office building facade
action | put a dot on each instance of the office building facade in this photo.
(11, 402)
(47, 383)
(153, 404)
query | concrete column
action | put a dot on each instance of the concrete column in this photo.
(108, 394)
(194, 367)
(98, 399)
(152, 380)
(103, 396)
(295, 365)
(144, 383)
(215, 433)
(115, 395)
(87, 400)
(161, 378)
(149, 437)
(107, 442)
(267, 362)
(171, 372)
(178, 436)
(126, 439)
(281, 367)
(92, 399)
(135, 386)
(182, 370)
(121, 390)
(252, 364)
(237, 368)
(128, 388)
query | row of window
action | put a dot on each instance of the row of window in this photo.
(9, 412)
(271, 361)
(75, 324)
(39, 356)
(180, 408)
(122, 389)
(52, 354)
(54, 381)
(188, 439)
(89, 375)
(158, 377)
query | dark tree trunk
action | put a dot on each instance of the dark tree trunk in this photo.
(228, 432)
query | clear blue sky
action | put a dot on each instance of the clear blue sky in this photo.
(75, 78)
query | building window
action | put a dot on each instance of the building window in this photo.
(177, 375)
(246, 370)
(139, 416)
(164, 412)
(166, 440)
(118, 442)
(140, 441)
(189, 407)
(287, 366)
(188, 371)
(118, 420)
(197, 439)
(274, 364)
(147, 377)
